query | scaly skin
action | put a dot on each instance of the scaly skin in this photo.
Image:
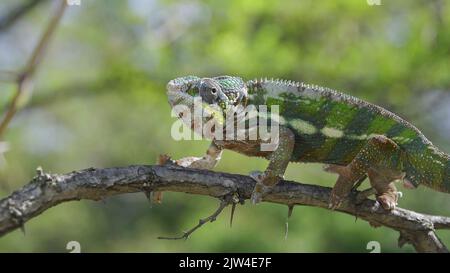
(356, 138)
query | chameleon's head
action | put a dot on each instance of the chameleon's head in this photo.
(222, 91)
(192, 98)
(216, 96)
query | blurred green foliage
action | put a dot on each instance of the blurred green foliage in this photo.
(99, 101)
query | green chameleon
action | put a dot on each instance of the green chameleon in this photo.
(354, 138)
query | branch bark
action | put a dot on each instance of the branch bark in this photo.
(48, 190)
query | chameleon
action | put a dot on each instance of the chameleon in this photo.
(353, 138)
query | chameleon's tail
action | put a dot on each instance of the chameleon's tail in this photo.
(429, 167)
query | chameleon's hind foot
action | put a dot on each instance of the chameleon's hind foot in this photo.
(387, 200)
(343, 186)
(382, 180)
(378, 160)
(388, 196)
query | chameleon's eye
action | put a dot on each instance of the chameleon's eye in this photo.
(209, 90)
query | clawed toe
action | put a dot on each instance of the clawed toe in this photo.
(388, 202)
(256, 197)
(335, 201)
(257, 193)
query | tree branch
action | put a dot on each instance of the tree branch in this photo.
(17, 12)
(24, 79)
(48, 190)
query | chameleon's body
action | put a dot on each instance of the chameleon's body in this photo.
(317, 124)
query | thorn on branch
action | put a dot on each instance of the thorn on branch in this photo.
(148, 195)
(153, 197)
(402, 240)
(39, 171)
(235, 200)
(233, 208)
(290, 210)
(146, 188)
(41, 176)
(47, 180)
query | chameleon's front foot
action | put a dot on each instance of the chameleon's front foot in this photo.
(382, 181)
(260, 189)
(256, 197)
(335, 200)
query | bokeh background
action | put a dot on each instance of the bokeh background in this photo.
(99, 101)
